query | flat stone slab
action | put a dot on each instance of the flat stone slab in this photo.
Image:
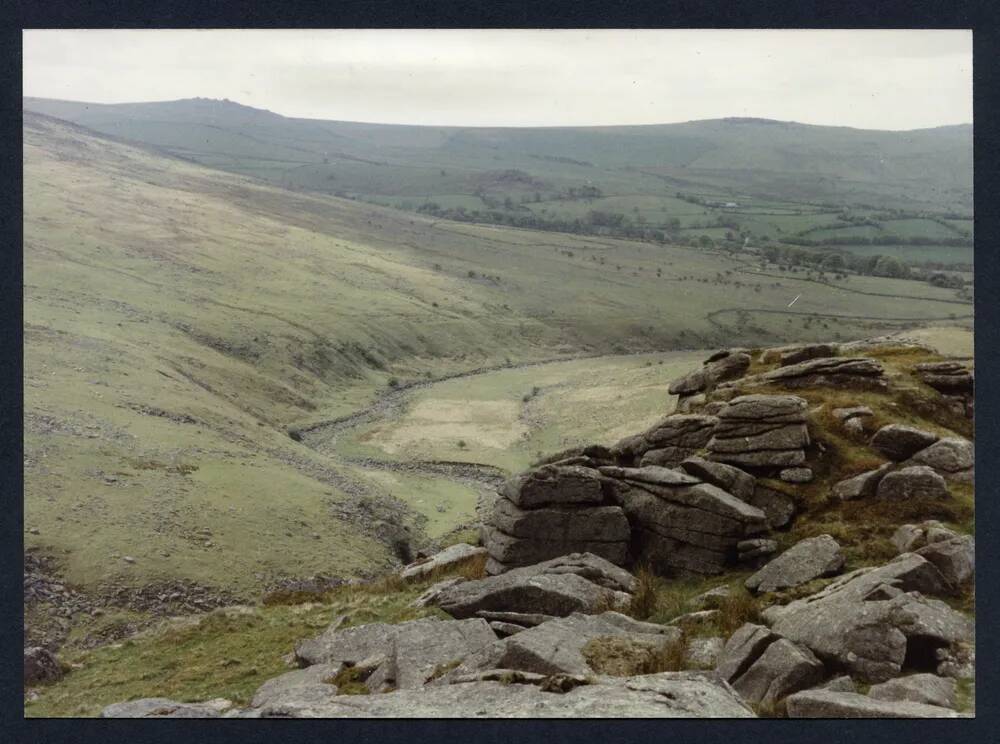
(554, 484)
(758, 407)
(412, 650)
(166, 708)
(928, 689)
(527, 551)
(831, 704)
(701, 496)
(561, 524)
(730, 479)
(838, 372)
(665, 695)
(560, 587)
(786, 437)
(652, 474)
(559, 646)
(450, 556)
(313, 680)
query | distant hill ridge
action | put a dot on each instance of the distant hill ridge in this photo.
(924, 168)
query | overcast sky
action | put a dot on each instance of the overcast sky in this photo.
(869, 79)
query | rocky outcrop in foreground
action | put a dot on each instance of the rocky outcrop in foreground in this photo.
(878, 624)
(718, 485)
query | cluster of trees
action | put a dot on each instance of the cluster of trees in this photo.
(885, 239)
(584, 192)
(596, 222)
(948, 281)
(888, 266)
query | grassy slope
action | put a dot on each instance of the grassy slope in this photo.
(777, 172)
(177, 320)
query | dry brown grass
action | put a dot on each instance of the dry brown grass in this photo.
(296, 596)
(621, 657)
(739, 608)
(668, 658)
(351, 681)
(470, 569)
(645, 596)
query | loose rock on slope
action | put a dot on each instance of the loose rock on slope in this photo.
(808, 559)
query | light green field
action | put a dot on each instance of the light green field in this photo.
(510, 418)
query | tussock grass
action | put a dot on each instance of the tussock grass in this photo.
(644, 598)
(351, 681)
(471, 568)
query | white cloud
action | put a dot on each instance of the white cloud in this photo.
(874, 79)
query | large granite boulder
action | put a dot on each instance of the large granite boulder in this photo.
(831, 704)
(410, 652)
(561, 524)
(348, 646)
(679, 522)
(552, 511)
(899, 442)
(507, 551)
(808, 559)
(764, 667)
(955, 558)
(559, 587)
(703, 652)
(870, 620)
(664, 695)
(554, 484)
(928, 689)
(40, 666)
(836, 372)
(952, 457)
(782, 669)
(609, 643)
(761, 431)
(742, 649)
(914, 482)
